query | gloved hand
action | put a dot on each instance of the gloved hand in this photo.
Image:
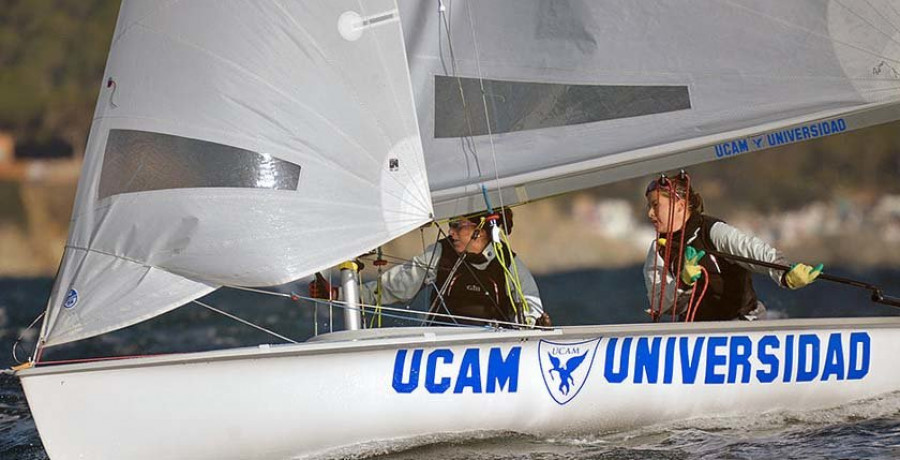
(691, 272)
(801, 274)
(320, 288)
(542, 321)
(545, 321)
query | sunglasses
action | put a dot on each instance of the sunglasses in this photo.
(458, 224)
(663, 184)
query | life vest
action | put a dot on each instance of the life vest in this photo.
(730, 294)
(473, 292)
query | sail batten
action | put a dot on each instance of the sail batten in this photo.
(237, 144)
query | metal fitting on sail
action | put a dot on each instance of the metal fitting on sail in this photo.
(351, 25)
(110, 83)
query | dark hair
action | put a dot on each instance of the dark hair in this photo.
(504, 217)
(679, 184)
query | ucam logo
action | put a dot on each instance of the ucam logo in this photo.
(473, 370)
(71, 298)
(565, 367)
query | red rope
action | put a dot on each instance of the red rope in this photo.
(692, 309)
(687, 311)
(653, 312)
(91, 360)
(668, 252)
(39, 353)
(687, 198)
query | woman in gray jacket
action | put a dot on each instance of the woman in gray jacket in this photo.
(724, 287)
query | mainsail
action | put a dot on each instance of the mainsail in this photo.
(237, 143)
(537, 98)
(253, 143)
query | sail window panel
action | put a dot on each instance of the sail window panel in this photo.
(140, 161)
(521, 106)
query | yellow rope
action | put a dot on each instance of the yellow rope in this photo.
(517, 280)
(511, 278)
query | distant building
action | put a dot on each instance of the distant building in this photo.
(7, 148)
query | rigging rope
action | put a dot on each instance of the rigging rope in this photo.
(487, 322)
(656, 314)
(657, 306)
(243, 321)
(513, 282)
(692, 309)
(465, 141)
(379, 263)
(687, 203)
(487, 115)
(22, 335)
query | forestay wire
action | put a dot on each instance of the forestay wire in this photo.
(243, 321)
(512, 279)
(443, 10)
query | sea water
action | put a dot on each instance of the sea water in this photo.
(864, 429)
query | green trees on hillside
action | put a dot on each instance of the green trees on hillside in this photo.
(52, 56)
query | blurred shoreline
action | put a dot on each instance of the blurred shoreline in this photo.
(581, 231)
(36, 199)
(833, 200)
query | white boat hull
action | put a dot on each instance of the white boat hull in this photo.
(297, 400)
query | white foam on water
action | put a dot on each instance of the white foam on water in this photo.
(786, 430)
(400, 445)
(693, 438)
(486, 445)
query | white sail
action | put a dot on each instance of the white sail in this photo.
(237, 143)
(580, 93)
(252, 142)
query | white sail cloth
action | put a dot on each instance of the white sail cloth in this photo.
(252, 143)
(583, 92)
(237, 143)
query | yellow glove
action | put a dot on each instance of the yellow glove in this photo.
(690, 273)
(801, 274)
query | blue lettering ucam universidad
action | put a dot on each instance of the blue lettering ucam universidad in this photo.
(737, 359)
(805, 132)
(473, 370)
(730, 148)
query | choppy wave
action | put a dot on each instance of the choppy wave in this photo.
(19, 438)
(864, 429)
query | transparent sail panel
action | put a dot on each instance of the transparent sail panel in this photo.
(521, 106)
(140, 161)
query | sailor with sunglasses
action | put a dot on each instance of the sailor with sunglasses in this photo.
(470, 283)
(724, 287)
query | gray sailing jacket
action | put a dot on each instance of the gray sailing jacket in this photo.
(723, 238)
(402, 282)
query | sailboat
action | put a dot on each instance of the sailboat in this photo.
(249, 144)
